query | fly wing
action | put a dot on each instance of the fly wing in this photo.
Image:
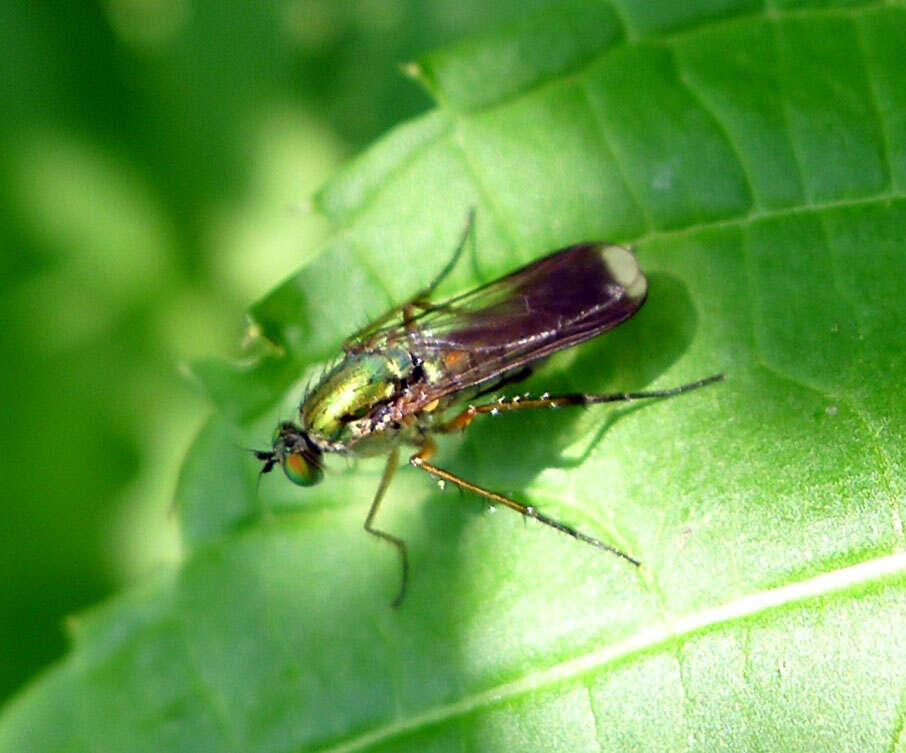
(551, 304)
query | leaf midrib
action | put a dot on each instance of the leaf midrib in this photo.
(832, 583)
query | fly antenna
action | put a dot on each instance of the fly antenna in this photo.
(269, 458)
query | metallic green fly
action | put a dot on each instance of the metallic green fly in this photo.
(399, 376)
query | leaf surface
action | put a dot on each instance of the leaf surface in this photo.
(756, 160)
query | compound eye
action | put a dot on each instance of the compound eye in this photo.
(301, 471)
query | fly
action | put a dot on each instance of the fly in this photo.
(400, 375)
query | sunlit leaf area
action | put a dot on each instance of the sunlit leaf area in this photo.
(203, 200)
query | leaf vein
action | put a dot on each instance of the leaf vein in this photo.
(756, 216)
(721, 126)
(899, 727)
(875, 103)
(620, 12)
(486, 199)
(785, 114)
(835, 582)
(677, 34)
(209, 694)
(595, 718)
(607, 144)
(398, 169)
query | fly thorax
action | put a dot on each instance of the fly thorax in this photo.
(336, 410)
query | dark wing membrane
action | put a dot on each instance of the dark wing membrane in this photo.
(551, 304)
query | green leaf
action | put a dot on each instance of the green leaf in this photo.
(756, 160)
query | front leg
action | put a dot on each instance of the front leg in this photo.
(419, 302)
(386, 478)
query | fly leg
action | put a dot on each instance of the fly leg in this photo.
(386, 478)
(427, 450)
(420, 300)
(463, 419)
(470, 226)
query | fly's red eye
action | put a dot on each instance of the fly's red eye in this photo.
(301, 471)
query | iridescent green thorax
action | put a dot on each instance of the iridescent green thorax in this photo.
(341, 409)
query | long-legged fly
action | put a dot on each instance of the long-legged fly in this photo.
(399, 376)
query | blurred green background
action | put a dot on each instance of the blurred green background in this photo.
(158, 157)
